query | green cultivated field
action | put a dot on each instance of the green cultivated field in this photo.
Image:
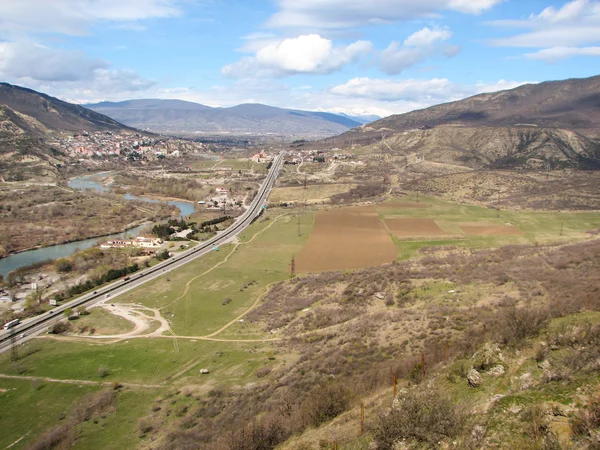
(537, 227)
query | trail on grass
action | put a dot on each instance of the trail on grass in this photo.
(133, 313)
(87, 382)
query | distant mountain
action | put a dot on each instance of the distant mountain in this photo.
(570, 104)
(548, 125)
(52, 113)
(187, 117)
(362, 119)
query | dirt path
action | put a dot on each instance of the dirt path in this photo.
(87, 382)
(136, 313)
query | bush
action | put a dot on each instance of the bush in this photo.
(588, 421)
(326, 403)
(262, 372)
(515, 325)
(422, 416)
(60, 328)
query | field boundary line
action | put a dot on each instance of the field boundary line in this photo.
(86, 382)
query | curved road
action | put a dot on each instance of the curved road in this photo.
(35, 325)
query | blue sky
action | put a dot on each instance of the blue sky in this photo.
(361, 56)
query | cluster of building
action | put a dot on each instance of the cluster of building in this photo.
(140, 241)
(323, 156)
(107, 144)
(261, 157)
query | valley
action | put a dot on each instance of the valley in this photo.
(447, 269)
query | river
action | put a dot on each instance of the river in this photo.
(29, 257)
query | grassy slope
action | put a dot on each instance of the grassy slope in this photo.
(505, 420)
(158, 361)
(537, 227)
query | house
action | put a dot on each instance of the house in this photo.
(147, 242)
(116, 243)
(221, 190)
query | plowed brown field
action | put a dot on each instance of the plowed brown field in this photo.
(489, 230)
(346, 238)
(403, 227)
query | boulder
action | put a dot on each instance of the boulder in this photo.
(496, 371)
(474, 378)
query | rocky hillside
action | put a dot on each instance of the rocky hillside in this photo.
(23, 151)
(572, 104)
(53, 113)
(497, 147)
(187, 117)
(548, 125)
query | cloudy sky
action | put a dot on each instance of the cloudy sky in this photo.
(365, 56)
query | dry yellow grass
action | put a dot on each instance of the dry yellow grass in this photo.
(312, 194)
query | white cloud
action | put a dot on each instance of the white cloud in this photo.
(569, 12)
(27, 59)
(553, 36)
(394, 59)
(555, 54)
(65, 73)
(339, 14)
(305, 54)
(415, 91)
(427, 36)
(417, 47)
(559, 32)
(472, 6)
(394, 90)
(73, 17)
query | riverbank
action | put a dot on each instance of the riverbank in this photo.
(130, 227)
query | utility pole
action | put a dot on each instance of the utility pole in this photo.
(298, 226)
(293, 267)
(305, 181)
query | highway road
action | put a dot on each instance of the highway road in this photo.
(36, 325)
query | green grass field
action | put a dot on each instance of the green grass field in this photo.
(537, 227)
(102, 322)
(194, 303)
(312, 194)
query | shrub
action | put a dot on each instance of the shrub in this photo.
(587, 421)
(326, 403)
(422, 416)
(262, 372)
(516, 324)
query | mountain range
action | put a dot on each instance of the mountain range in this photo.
(177, 116)
(551, 124)
(572, 104)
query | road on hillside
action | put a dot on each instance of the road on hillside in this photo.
(36, 325)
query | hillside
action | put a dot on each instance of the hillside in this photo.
(572, 104)
(188, 117)
(549, 125)
(497, 147)
(53, 113)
